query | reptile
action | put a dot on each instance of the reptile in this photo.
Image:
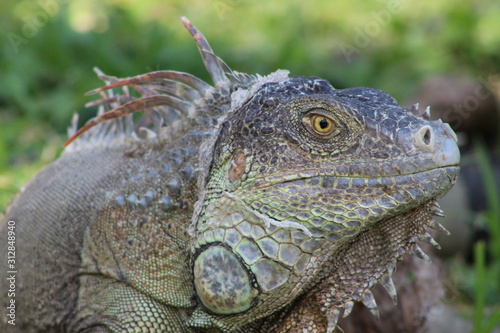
(253, 204)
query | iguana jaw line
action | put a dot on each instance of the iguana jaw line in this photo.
(269, 181)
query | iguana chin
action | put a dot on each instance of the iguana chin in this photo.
(258, 204)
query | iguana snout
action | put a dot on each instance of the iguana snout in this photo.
(440, 140)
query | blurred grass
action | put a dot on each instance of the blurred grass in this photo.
(485, 322)
(485, 318)
(49, 48)
(492, 196)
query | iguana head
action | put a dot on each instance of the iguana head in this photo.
(298, 169)
(296, 172)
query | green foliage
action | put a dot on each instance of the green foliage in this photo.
(493, 197)
(484, 323)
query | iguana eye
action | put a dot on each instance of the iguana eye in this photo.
(320, 124)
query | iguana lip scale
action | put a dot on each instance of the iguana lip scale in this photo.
(253, 204)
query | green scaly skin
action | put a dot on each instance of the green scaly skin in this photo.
(262, 204)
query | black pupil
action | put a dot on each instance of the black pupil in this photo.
(323, 123)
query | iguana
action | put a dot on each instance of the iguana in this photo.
(256, 204)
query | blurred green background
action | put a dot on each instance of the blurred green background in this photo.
(49, 47)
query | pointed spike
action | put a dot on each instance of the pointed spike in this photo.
(226, 69)
(129, 125)
(388, 284)
(212, 65)
(98, 71)
(419, 253)
(149, 134)
(134, 106)
(170, 87)
(391, 267)
(74, 125)
(439, 227)
(438, 212)
(414, 108)
(436, 209)
(414, 238)
(348, 308)
(427, 113)
(106, 101)
(86, 127)
(146, 91)
(332, 318)
(427, 238)
(185, 78)
(369, 301)
(106, 78)
(435, 204)
(100, 111)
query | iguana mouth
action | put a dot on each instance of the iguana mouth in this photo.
(281, 180)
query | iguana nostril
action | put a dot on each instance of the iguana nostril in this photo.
(425, 137)
(440, 141)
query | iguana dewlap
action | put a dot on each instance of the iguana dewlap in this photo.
(256, 204)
